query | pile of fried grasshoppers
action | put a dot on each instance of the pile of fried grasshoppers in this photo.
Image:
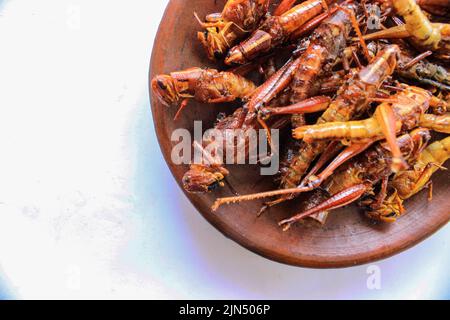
(377, 93)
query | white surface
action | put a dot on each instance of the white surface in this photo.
(88, 208)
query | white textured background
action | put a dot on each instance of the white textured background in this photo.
(88, 208)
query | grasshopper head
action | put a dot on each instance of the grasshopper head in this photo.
(165, 89)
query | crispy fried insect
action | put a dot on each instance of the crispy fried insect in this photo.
(426, 73)
(325, 73)
(273, 86)
(312, 24)
(238, 18)
(360, 176)
(324, 50)
(417, 68)
(203, 85)
(322, 53)
(210, 174)
(422, 33)
(283, 7)
(352, 180)
(311, 105)
(407, 183)
(388, 120)
(353, 99)
(439, 123)
(206, 177)
(275, 30)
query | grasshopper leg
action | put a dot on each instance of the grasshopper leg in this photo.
(437, 123)
(396, 32)
(331, 151)
(183, 105)
(310, 105)
(387, 120)
(338, 200)
(347, 154)
(284, 6)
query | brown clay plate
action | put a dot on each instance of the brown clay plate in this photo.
(347, 239)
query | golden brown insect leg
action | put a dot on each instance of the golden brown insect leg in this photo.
(387, 120)
(310, 105)
(397, 32)
(350, 152)
(276, 83)
(258, 96)
(330, 152)
(283, 7)
(357, 30)
(437, 123)
(183, 105)
(312, 24)
(381, 196)
(229, 98)
(415, 60)
(338, 200)
(228, 200)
